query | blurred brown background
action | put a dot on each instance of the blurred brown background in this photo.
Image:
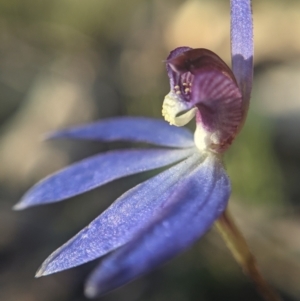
(66, 62)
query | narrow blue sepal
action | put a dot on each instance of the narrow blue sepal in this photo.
(189, 213)
(135, 129)
(120, 222)
(242, 46)
(96, 171)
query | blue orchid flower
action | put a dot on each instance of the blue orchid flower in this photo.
(161, 217)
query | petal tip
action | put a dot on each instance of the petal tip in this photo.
(40, 272)
(24, 203)
(44, 270)
(47, 136)
(19, 206)
(91, 291)
(53, 135)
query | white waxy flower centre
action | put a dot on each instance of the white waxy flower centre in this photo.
(177, 111)
(205, 140)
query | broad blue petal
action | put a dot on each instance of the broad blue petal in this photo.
(188, 214)
(242, 46)
(120, 222)
(96, 171)
(136, 129)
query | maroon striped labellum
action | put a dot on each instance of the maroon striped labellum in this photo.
(202, 85)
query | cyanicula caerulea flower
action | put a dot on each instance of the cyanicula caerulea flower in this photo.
(159, 218)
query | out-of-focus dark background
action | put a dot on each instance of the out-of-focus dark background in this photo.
(67, 62)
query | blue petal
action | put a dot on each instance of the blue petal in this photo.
(136, 129)
(242, 46)
(188, 214)
(120, 222)
(96, 171)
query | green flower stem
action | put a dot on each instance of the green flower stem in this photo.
(240, 251)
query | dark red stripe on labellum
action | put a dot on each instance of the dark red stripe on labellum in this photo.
(203, 79)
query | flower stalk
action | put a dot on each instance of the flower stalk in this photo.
(238, 246)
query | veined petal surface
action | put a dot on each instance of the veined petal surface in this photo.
(135, 129)
(121, 221)
(242, 47)
(96, 171)
(219, 103)
(188, 214)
